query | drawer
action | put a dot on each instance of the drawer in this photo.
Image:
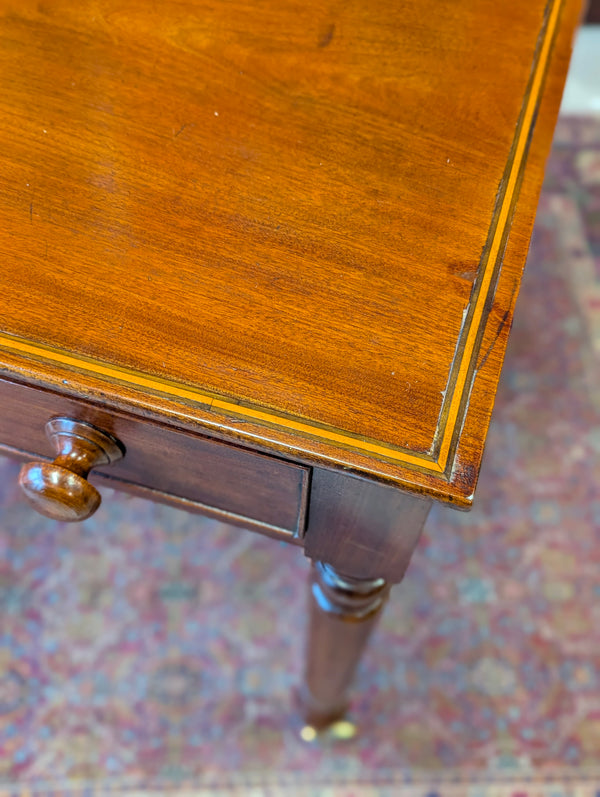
(242, 486)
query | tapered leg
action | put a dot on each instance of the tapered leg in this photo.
(343, 613)
(367, 530)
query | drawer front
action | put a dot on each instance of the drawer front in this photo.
(245, 487)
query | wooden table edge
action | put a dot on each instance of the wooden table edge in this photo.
(446, 474)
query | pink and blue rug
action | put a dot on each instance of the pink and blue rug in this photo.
(148, 651)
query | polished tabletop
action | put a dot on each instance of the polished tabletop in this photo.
(300, 224)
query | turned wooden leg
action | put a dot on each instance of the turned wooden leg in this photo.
(369, 530)
(343, 613)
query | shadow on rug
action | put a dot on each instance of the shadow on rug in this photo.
(150, 650)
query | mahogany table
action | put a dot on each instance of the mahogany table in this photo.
(260, 260)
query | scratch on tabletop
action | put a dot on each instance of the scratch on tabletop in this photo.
(326, 36)
(181, 129)
(503, 322)
(501, 325)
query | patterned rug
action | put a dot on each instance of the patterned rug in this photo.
(149, 651)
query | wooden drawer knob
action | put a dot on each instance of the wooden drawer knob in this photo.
(60, 489)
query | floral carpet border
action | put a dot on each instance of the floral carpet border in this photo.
(577, 783)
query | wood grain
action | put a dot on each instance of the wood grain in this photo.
(364, 529)
(261, 492)
(289, 223)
